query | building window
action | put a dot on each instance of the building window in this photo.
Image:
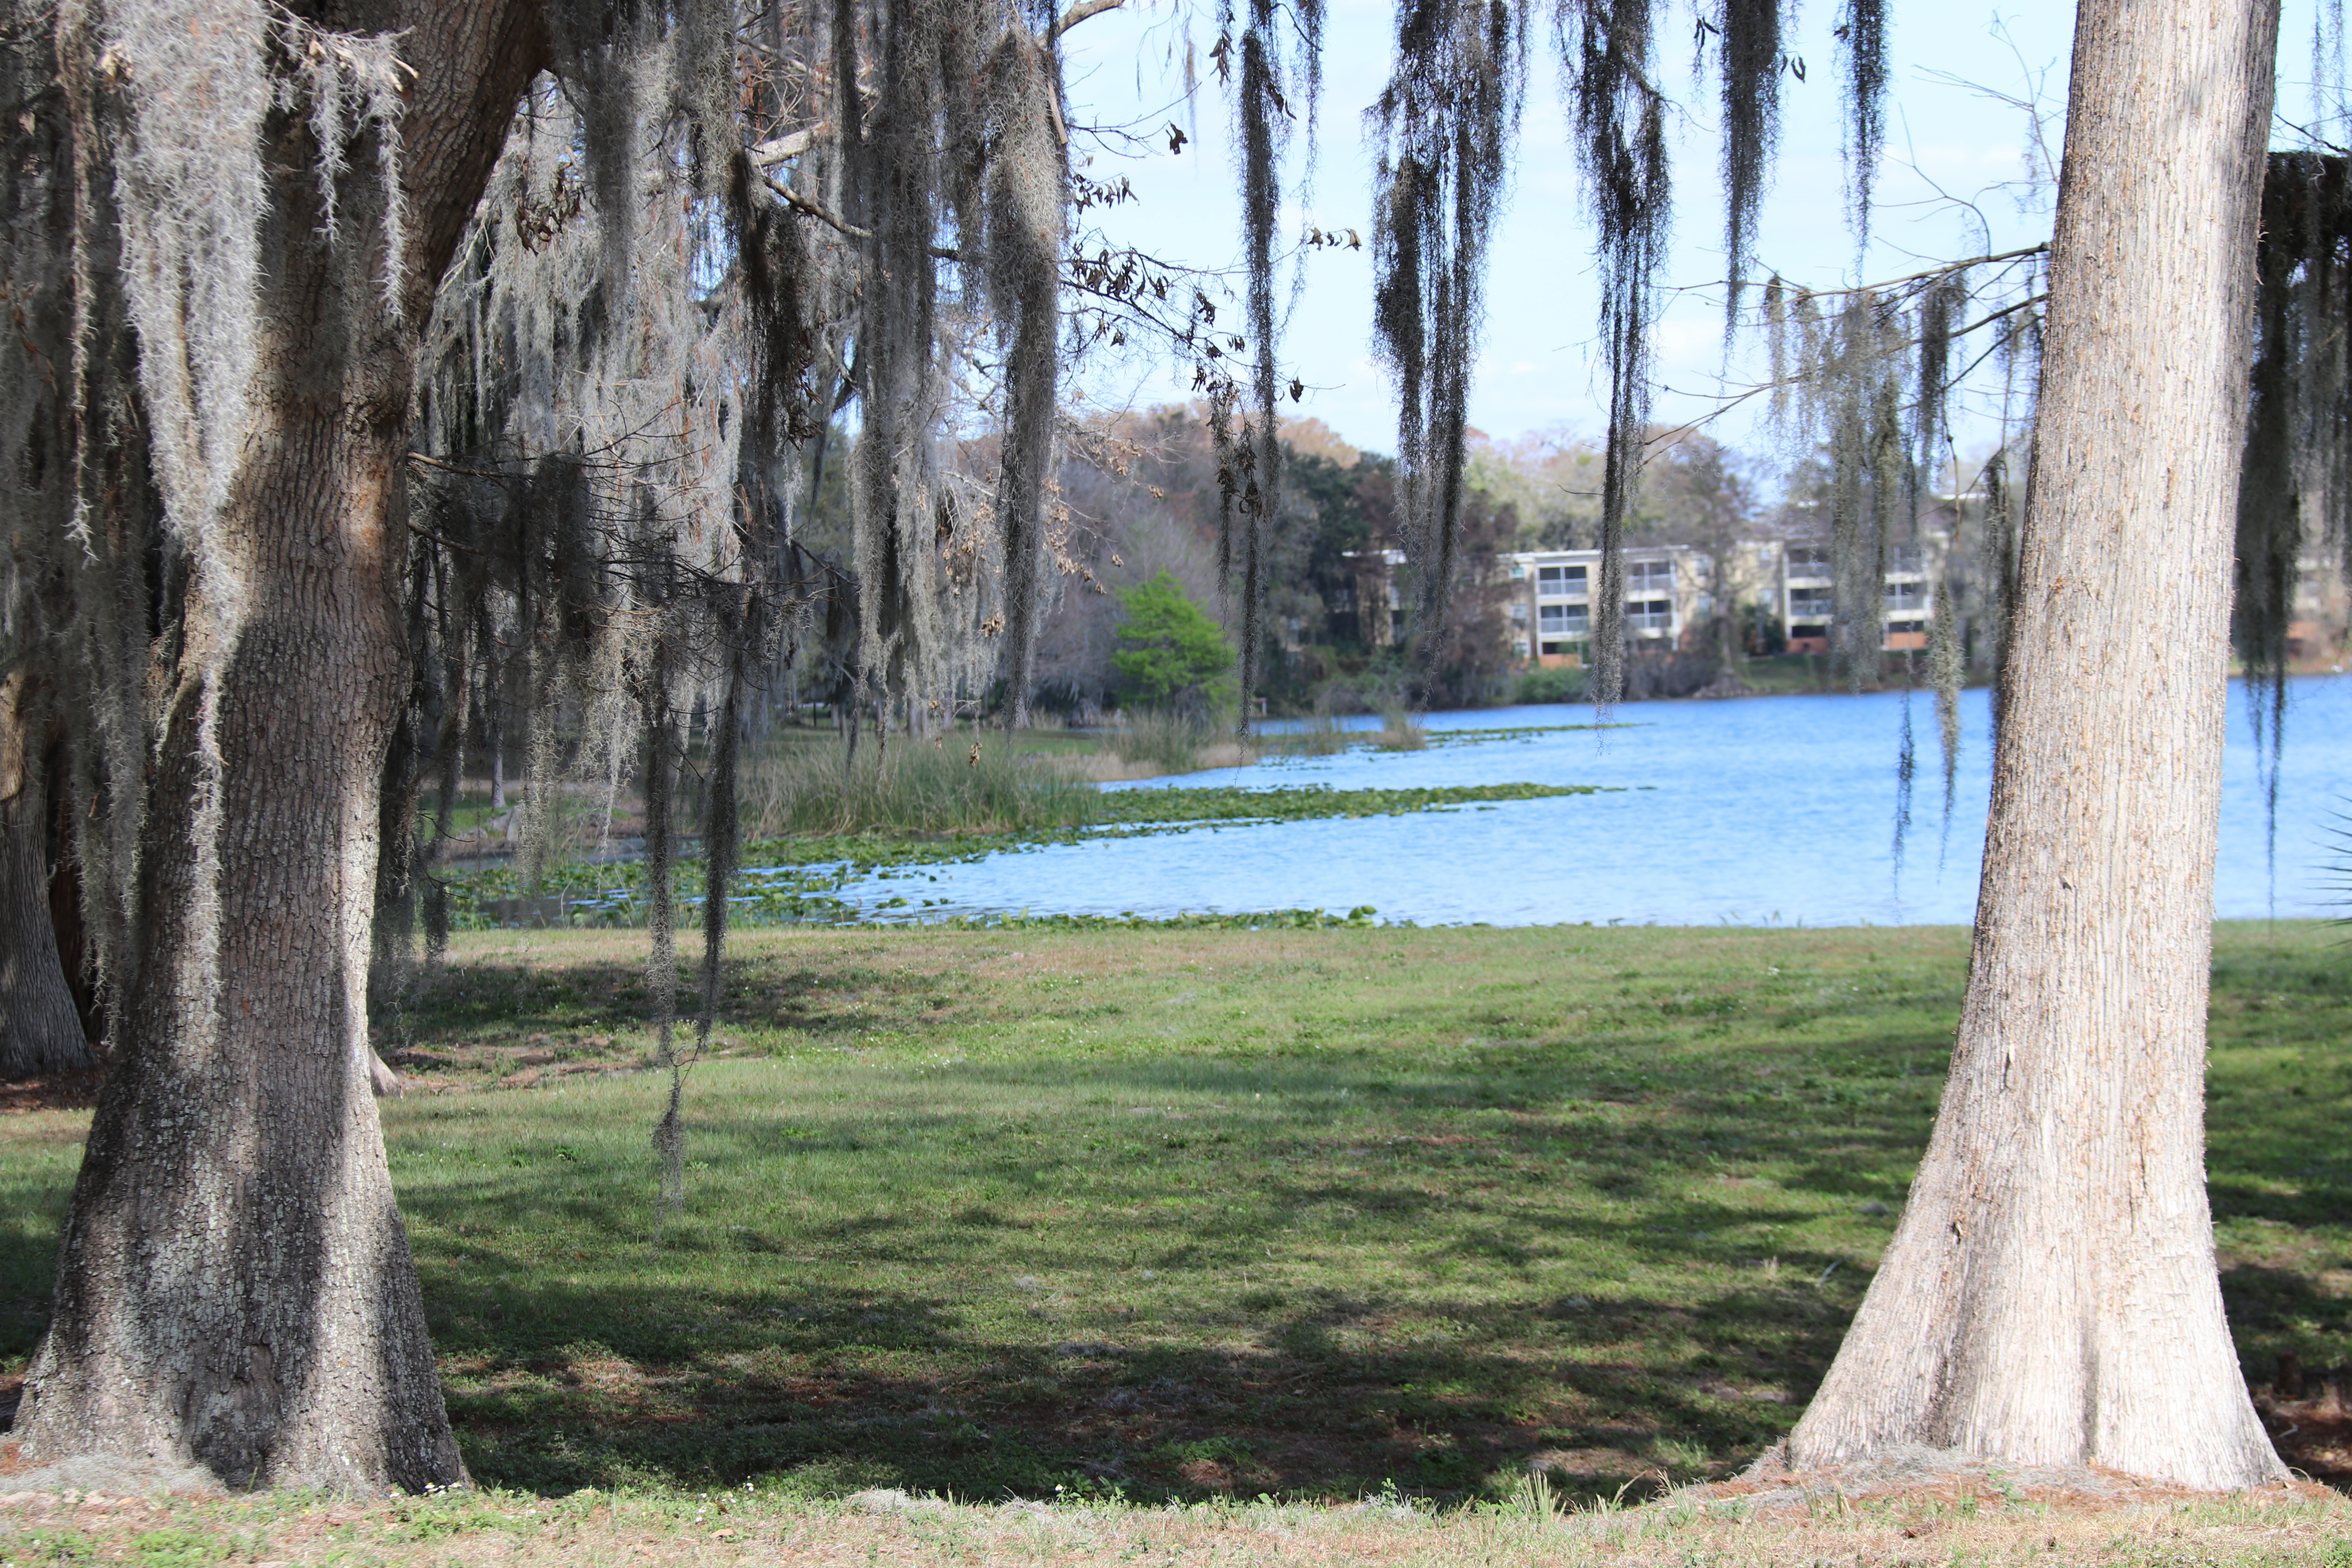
(1907, 628)
(1650, 578)
(1564, 620)
(1554, 581)
(1650, 614)
(1905, 558)
(1518, 615)
(1808, 561)
(1907, 595)
(1810, 604)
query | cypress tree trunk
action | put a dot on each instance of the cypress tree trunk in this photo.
(2050, 1294)
(235, 1288)
(40, 1028)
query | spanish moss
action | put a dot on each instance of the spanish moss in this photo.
(2001, 564)
(660, 782)
(1620, 118)
(2296, 481)
(1940, 307)
(1027, 196)
(1907, 770)
(1444, 125)
(1862, 51)
(1272, 72)
(1752, 63)
(1946, 670)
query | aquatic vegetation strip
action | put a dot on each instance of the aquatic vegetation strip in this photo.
(806, 879)
(1129, 813)
(1522, 733)
(1292, 747)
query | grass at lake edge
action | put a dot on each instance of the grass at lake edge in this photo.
(1182, 1215)
(1991, 1527)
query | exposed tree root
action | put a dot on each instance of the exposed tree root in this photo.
(1914, 1473)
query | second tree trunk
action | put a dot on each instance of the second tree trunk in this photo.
(2049, 1295)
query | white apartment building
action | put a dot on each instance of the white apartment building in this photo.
(1550, 604)
(1808, 594)
(1670, 591)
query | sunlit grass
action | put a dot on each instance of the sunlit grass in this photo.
(1985, 1524)
(1188, 1213)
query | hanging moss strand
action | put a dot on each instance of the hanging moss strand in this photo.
(1751, 68)
(1444, 125)
(1620, 123)
(1862, 51)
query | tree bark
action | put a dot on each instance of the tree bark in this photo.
(40, 1026)
(2049, 1295)
(235, 1287)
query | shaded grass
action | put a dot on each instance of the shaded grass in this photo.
(1181, 1214)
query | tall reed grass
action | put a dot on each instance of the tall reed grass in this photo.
(962, 784)
(1400, 732)
(1173, 743)
(1320, 736)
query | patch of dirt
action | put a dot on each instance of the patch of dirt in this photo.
(58, 1091)
(467, 1065)
(2312, 1434)
(1590, 1463)
(1949, 1479)
(1208, 1475)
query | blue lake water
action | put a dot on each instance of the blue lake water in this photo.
(1756, 811)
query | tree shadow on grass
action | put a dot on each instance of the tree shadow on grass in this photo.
(722, 1372)
(2275, 1311)
(681, 1365)
(828, 1390)
(685, 1367)
(2294, 1345)
(29, 1226)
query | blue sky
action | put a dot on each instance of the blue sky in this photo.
(1944, 140)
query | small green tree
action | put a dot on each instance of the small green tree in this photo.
(1170, 655)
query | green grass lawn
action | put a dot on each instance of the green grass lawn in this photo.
(1185, 1213)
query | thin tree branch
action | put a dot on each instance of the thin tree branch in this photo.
(776, 149)
(1930, 274)
(1693, 426)
(1079, 13)
(840, 226)
(814, 209)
